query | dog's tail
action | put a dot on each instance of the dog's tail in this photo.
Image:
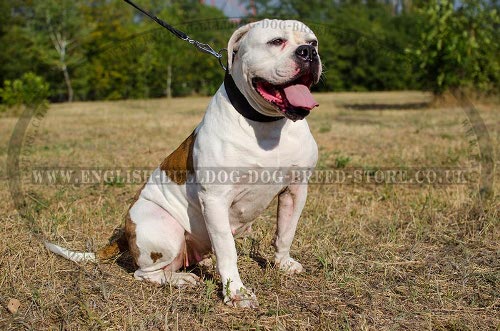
(117, 244)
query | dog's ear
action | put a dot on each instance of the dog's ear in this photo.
(234, 42)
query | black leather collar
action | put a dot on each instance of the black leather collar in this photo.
(241, 104)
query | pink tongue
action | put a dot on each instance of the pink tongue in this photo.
(300, 96)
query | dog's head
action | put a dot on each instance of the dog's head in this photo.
(274, 63)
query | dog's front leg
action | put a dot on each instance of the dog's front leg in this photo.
(290, 204)
(216, 214)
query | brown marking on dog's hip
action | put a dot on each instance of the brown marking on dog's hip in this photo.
(130, 229)
(132, 238)
(179, 163)
(155, 256)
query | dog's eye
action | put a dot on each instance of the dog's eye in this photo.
(313, 43)
(277, 42)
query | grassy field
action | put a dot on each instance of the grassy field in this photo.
(377, 257)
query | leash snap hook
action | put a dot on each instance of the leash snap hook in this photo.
(220, 55)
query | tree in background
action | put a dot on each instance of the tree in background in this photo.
(110, 67)
(16, 54)
(129, 56)
(56, 28)
(458, 47)
(28, 91)
(182, 69)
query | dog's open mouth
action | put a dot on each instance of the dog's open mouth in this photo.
(294, 99)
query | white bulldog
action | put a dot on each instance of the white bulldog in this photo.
(253, 123)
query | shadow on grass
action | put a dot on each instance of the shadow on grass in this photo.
(126, 262)
(256, 256)
(261, 261)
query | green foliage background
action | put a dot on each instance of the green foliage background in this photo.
(114, 52)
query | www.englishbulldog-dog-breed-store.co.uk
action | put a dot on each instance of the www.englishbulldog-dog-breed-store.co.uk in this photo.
(254, 121)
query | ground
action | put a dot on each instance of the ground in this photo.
(376, 256)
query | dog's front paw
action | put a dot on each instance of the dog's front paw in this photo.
(289, 265)
(240, 298)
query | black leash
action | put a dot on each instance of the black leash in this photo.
(205, 48)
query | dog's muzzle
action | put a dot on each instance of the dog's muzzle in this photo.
(293, 98)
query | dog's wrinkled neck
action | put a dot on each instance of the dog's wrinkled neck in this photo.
(240, 103)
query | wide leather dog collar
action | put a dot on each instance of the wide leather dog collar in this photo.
(241, 104)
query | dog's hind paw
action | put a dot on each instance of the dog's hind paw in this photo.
(162, 277)
(181, 279)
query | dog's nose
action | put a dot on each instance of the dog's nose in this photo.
(306, 52)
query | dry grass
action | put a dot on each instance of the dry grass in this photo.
(376, 257)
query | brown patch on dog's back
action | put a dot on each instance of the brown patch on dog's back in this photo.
(155, 256)
(179, 163)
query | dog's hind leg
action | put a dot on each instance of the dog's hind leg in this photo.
(158, 245)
